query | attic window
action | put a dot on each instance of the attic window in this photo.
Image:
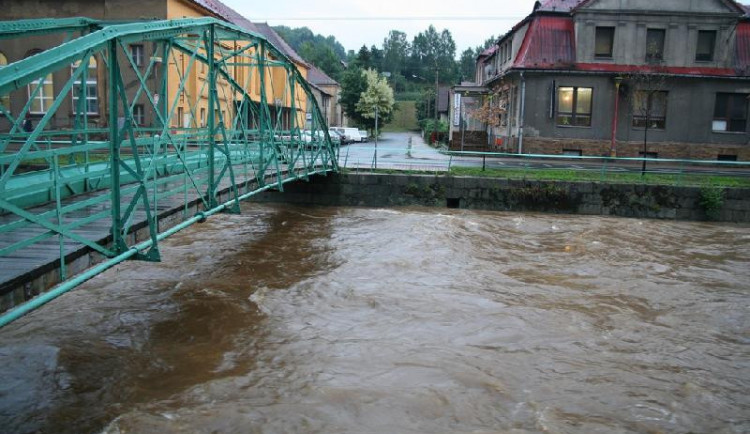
(605, 38)
(704, 51)
(655, 45)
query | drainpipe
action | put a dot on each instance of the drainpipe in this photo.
(509, 119)
(521, 115)
(613, 144)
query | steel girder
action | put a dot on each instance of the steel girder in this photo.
(105, 165)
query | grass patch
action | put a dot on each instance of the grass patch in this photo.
(404, 118)
(77, 158)
(565, 175)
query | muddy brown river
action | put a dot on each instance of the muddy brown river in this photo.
(341, 320)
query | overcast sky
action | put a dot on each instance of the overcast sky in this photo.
(357, 22)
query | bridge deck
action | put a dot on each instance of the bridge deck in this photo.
(26, 264)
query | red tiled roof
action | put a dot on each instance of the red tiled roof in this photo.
(489, 51)
(742, 57)
(549, 43)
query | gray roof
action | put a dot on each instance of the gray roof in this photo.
(317, 76)
(264, 29)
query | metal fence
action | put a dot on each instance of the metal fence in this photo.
(551, 167)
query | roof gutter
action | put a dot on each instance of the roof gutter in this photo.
(579, 72)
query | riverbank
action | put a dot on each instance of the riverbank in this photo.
(585, 198)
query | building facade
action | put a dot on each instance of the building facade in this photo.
(327, 91)
(667, 79)
(191, 101)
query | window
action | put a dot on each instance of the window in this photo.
(42, 100)
(180, 114)
(574, 106)
(136, 52)
(651, 106)
(655, 45)
(572, 152)
(704, 51)
(91, 96)
(726, 157)
(605, 38)
(730, 112)
(4, 99)
(203, 117)
(139, 117)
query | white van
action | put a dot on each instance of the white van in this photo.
(349, 134)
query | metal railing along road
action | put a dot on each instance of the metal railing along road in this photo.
(551, 167)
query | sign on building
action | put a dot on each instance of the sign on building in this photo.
(456, 109)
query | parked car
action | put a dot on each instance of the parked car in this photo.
(333, 132)
(335, 136)
(364, 135)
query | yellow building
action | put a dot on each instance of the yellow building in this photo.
(191, 103)
(192, 108)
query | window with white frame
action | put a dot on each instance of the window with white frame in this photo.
(41, 94)
(136, 52)
(91, 96)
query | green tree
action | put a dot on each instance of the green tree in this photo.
(323, 57)
(376, 55)
(324, 52)
(395, 52)
(468, 64)
(433, 52)
(353, 83)
(377, 99)
(364, 58)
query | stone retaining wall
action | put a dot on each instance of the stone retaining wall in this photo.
(590, 198)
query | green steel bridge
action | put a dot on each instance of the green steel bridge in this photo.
(106, 188)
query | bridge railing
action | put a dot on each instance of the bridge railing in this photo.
(216, 112)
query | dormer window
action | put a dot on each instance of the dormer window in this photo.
(605, 38)
(704, 51)
(655, 45)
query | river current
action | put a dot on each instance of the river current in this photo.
(413, 320)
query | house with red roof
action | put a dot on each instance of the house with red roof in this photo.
(593, 77)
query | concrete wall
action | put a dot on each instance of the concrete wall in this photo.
(625, 200)
(681, 21)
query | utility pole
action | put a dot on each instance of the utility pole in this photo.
(376, 136)
(437, 96)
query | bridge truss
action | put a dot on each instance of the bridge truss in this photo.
(217, 111)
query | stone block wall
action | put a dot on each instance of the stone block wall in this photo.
(589, 198)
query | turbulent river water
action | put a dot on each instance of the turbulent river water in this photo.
(289, 319)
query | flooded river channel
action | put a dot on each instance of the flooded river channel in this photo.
(339, 320)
